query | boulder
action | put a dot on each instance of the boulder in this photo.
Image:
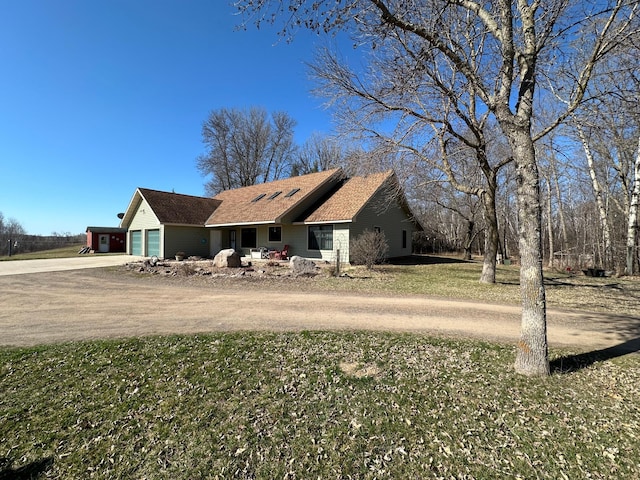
(302, 266)
(227, 258)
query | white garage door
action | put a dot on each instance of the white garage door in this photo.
(136, 242)
(153, 243)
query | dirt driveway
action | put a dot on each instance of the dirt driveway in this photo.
(51, 307)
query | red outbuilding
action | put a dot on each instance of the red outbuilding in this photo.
(107, 239)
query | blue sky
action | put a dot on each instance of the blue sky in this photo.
(100, 97)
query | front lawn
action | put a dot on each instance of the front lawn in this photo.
(62, 252)
(312, 405)
(449, 277)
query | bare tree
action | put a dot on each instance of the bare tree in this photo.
(609, 131)
(631, 259)
(495, 53)
(317, 154)
(11, 234)
(465, 207)
(245, 148)
(459, 128)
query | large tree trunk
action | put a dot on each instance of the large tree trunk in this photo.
(632, 225)
(532, 350)
(491, 237)
(468, 239)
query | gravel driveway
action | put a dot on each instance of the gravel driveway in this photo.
(51, 307)
(20, 267)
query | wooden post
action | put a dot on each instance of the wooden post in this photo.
(338, 263)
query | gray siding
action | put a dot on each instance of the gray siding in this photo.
(391, 220)
(193, 241)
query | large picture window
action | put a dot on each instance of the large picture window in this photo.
(320, 237)
(275, 234)
(248, 238)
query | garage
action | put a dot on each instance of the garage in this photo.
(153, 243)
(136, 242)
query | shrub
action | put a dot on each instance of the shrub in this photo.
(369, 248)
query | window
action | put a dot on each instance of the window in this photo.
(404, 239)
(320, 237)
(248, 238)
(275, 234)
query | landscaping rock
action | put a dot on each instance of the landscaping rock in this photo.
(227, 258)
(302, 266)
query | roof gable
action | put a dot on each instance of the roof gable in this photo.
(271, 202)
(175, 208)
(172, 208)
(344, 204)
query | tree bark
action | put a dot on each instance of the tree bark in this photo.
(491, 237)
(468, 239)
(607, 254)
(551, 262)
(532, 349)
(632, 225)
(560, 206)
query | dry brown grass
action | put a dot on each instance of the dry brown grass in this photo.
(446, 277)
(311, 405)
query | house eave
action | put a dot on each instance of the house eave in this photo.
(241, 224)
(183, 225)
(129, 212)
(323, 222)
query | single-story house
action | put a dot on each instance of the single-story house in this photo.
(106, 239)
(316, 215)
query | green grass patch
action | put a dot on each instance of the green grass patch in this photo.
(450, 278)
(443, 279)
(63, 252)
(311, 405)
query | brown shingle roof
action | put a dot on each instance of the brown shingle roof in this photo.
(263, 204)
(347, 201)
(175, 208)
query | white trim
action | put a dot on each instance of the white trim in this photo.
(126, 219)
(243, 224)
(323, 222)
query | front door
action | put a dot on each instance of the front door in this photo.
(103, 243)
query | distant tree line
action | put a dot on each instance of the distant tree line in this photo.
(14, 239)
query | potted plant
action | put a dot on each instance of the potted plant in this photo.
(180, 256)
